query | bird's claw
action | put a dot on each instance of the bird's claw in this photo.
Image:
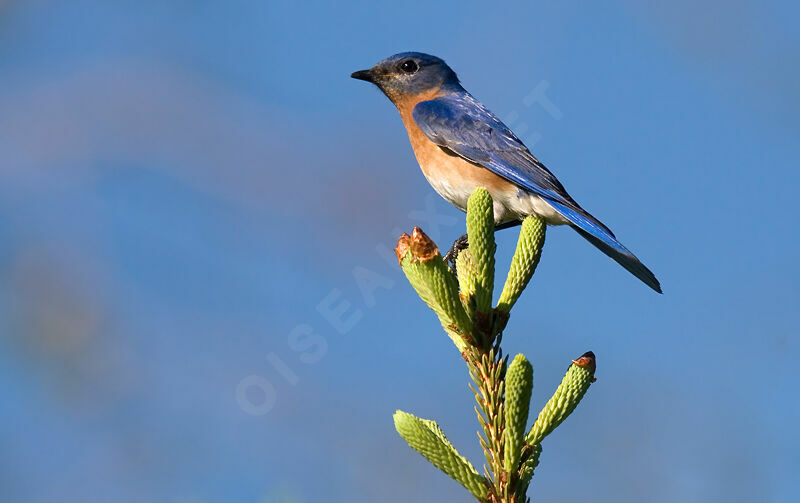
(459, 245)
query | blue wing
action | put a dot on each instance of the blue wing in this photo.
(462, 125)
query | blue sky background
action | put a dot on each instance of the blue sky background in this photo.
(183, 183)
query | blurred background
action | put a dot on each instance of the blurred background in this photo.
(196, 205)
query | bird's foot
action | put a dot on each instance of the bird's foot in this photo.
(459, 245)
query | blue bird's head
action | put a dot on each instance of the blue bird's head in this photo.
(409, 74)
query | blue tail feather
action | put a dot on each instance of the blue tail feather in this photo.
(601, 237)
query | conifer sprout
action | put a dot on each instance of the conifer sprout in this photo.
(567, 396)
(480, 232)
(523, 265)
(435, 284)
(463, 304)
(467, 280)
(425, 437)
(519, 384)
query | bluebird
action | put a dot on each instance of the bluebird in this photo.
(461, 145)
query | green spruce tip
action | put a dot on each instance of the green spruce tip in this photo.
(434, 283)
(425, 437)
(467, 280)
(480, 232)
(569, 393)
(519, 384)
(523, 265)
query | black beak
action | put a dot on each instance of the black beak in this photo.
(364, 75)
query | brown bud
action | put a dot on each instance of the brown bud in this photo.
(586, 361)
(403, 245)
(422, 247)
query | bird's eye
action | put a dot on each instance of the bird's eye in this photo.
(409, 66)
